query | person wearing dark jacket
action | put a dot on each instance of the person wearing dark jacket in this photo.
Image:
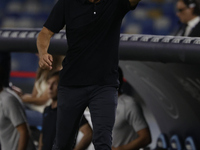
(188, 12)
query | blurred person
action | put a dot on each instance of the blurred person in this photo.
(39, 99)
(48, 133)
(89, 77)
(131, 131)
(14, 131)
(188, 12)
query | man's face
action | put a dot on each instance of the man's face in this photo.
(53, 87)
(184, 13)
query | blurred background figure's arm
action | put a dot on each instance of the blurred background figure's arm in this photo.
(85, 141)
(24, 136)
(40, 142)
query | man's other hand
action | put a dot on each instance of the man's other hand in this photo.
(45, 61)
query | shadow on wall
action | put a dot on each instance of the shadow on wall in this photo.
(170, 91)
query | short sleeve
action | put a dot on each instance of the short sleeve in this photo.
(56, 19)
(134, 116)
(14, 111)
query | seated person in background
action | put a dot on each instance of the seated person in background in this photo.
(188, 12)
(14, 131)
(48, 133)
(130, 131)
(39, 99)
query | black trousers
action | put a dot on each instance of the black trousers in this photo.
(72, 101)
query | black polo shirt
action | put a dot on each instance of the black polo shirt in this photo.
(92, 32)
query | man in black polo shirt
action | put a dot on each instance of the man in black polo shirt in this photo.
(90, 69)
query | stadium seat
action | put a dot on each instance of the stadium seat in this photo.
(190, 144)
(175, 143)
(162, 142)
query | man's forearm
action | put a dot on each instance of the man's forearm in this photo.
(134, 145)
(23, 141)
(35, 100)
(24, 136)
(43, 40)
(144, 138)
